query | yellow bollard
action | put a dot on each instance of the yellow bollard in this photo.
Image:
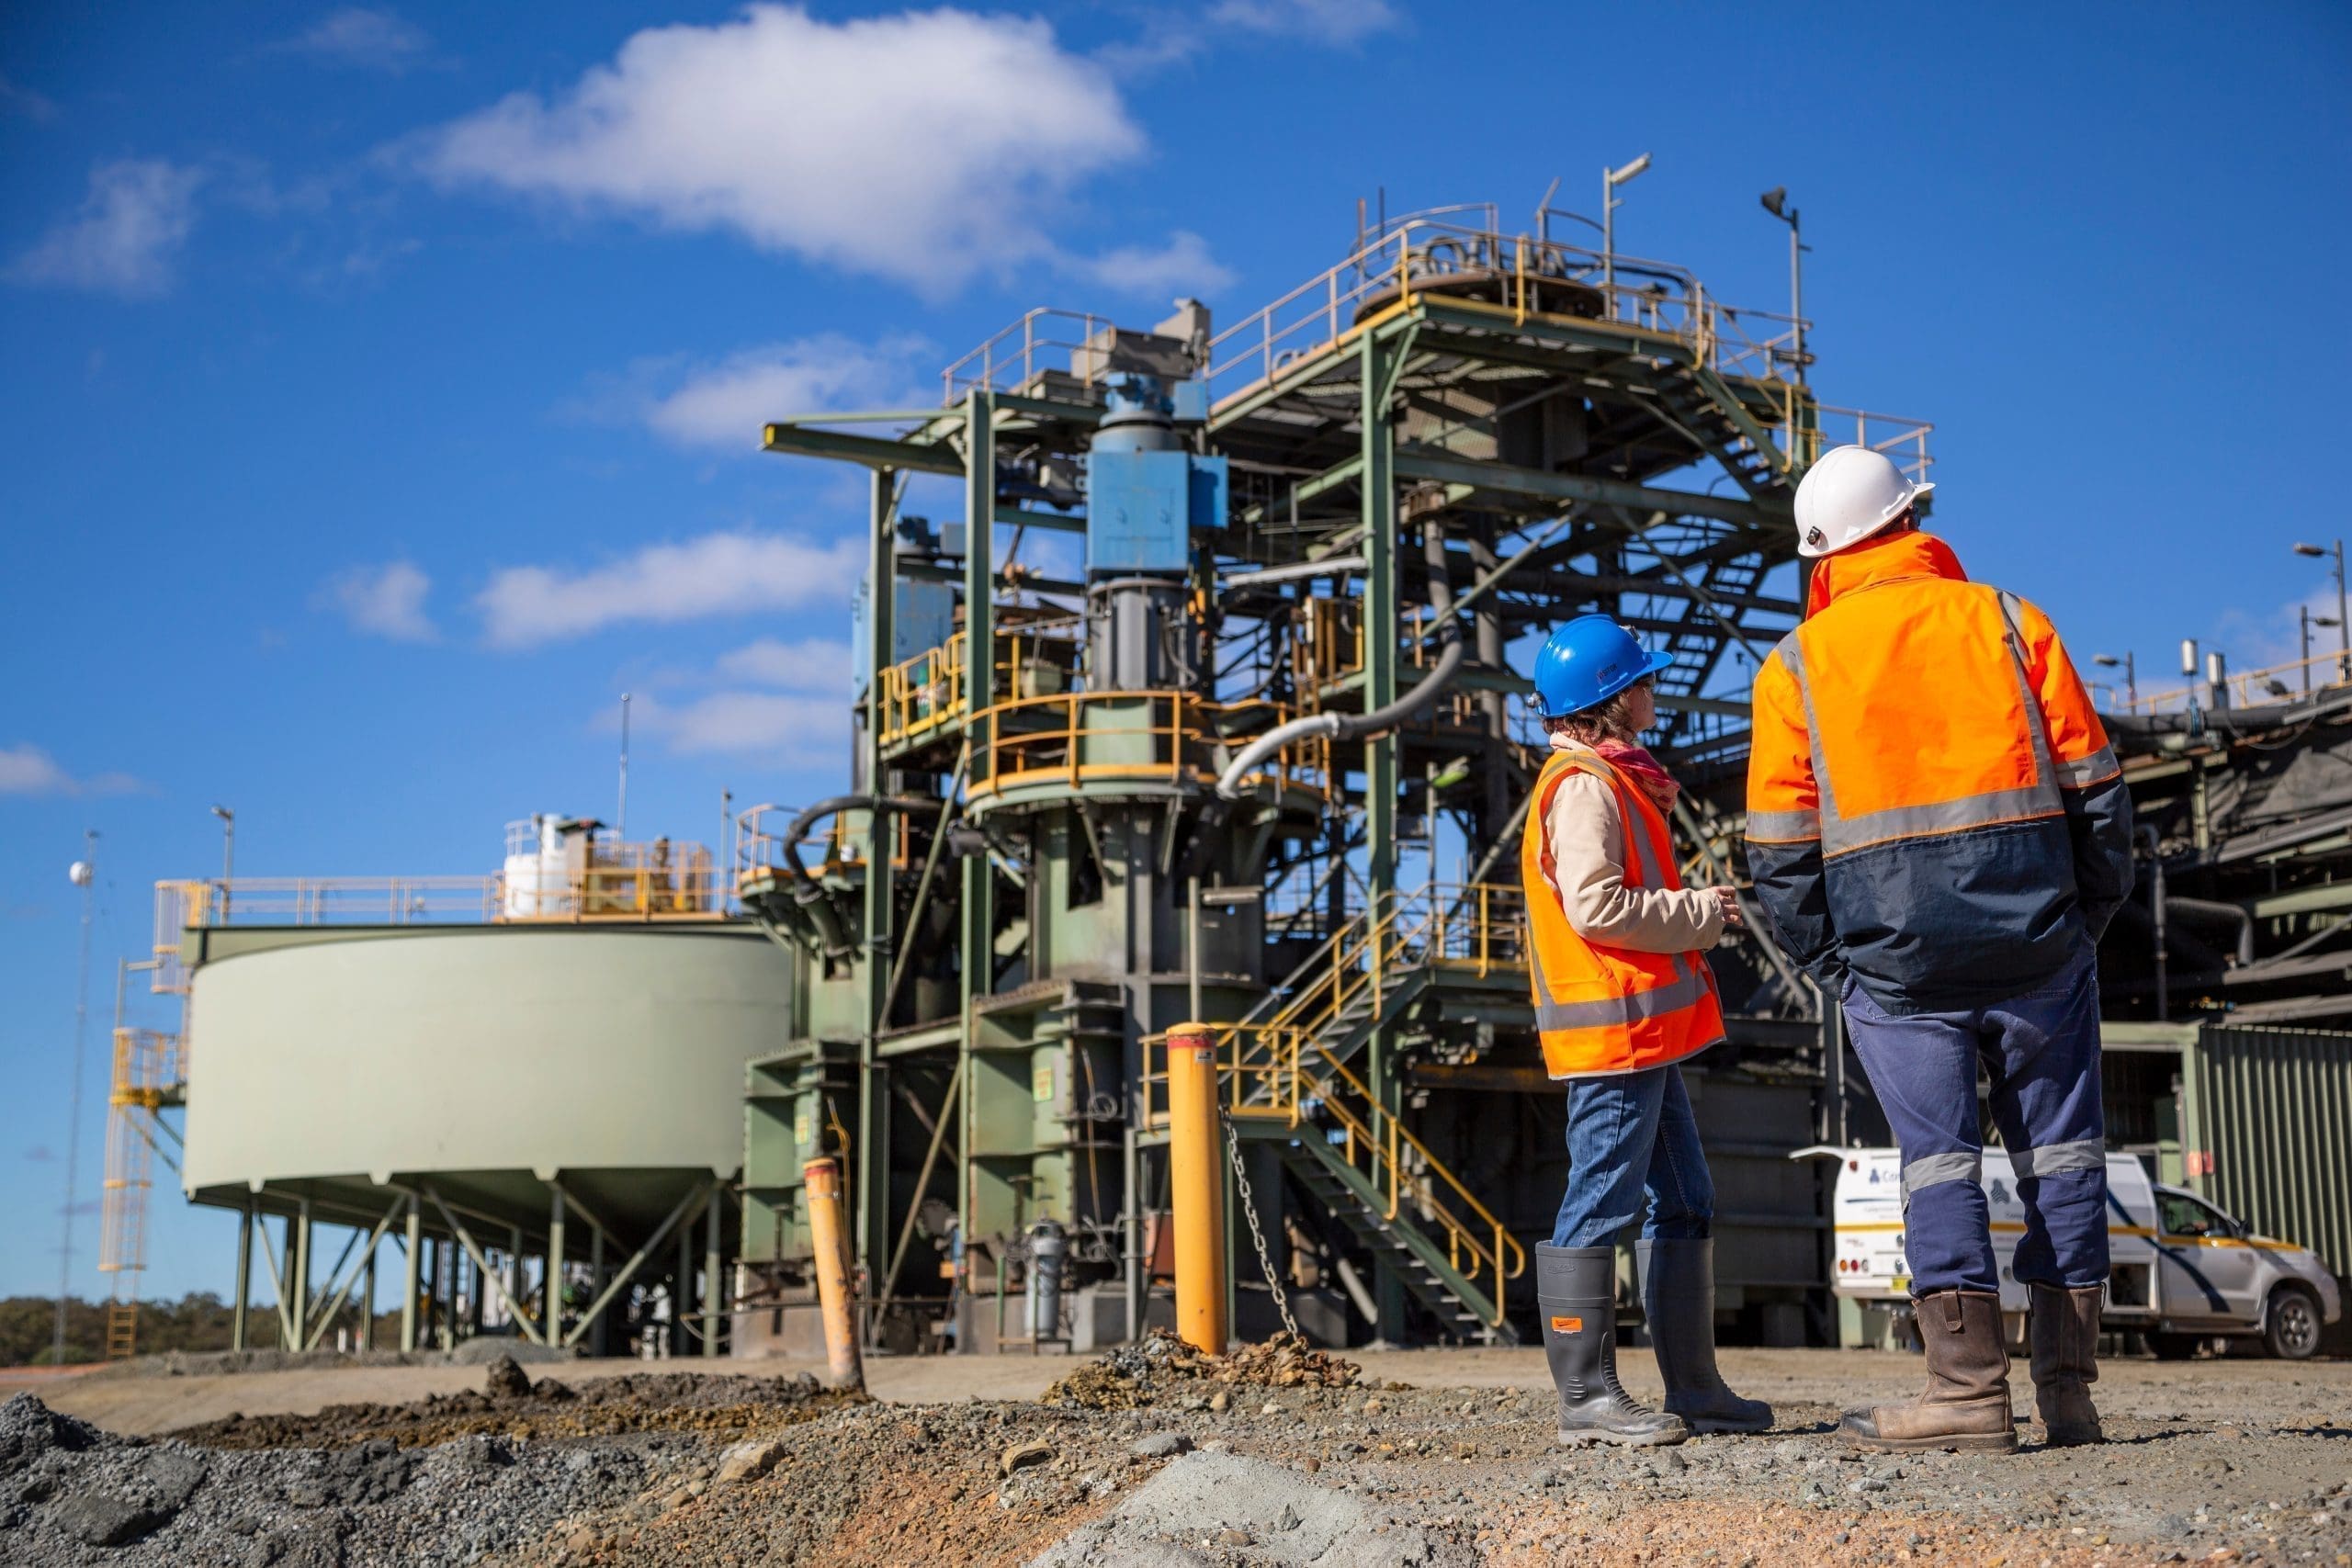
(824, 1180)
(1196, 1183)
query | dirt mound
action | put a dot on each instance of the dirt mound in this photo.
(1136, 1375)
(512, 1406)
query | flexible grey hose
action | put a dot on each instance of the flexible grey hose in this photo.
(1379, 721)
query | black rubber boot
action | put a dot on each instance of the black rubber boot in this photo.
(1679, 1300)
(1575, 1290)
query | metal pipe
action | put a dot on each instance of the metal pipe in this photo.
(1379, 721)
(2210, 910)
(1196, 1188)
(827, 1238)
(2156, 913)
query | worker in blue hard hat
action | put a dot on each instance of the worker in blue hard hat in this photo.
(1623, 997)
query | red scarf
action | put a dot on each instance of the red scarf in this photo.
(1638, 765)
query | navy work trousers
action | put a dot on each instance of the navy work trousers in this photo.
(1628, 1133)
(2040, 1051)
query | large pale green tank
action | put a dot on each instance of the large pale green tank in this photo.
(490, 1058)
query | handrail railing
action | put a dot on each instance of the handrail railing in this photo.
(1161, 735)
(1419, 252)
(2254, 688)
(1279, 1067)
(1273, 1072)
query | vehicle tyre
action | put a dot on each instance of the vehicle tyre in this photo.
(2175, 1347)
(2291, 1327)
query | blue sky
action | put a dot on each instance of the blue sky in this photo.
(381, 385)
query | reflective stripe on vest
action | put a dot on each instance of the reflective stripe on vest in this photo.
(1641, 1024)
(1843, 835)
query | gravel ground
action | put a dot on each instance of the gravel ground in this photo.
(2217, 1461)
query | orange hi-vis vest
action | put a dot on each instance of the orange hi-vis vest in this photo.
(1601, 1010)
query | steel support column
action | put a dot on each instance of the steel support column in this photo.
(976, 963)
(298, 1286)
(711, 1288)
(1382, 620)
(244, 1276)
(870, 1180)
(551, 1289)
(412, 1247)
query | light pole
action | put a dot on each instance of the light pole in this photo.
(2310, 621)
(1610, 180)
(1776, 202)
(620, 824)
(2130, 675)
(2343, 613)
(228, 854)
(85, 875)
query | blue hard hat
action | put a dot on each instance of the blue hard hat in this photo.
(1588, 662)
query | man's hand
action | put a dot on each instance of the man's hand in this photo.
(1729, 898)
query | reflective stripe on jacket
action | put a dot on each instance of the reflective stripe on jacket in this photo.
(1932, 805)
(1603, 1010)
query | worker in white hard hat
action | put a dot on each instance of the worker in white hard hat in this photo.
(1939, 834)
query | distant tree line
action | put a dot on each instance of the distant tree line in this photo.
(198, 1321)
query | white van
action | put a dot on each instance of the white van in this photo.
(2182, 1271)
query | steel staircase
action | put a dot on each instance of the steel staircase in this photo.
(1286, 1077)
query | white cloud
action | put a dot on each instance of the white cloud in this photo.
(385, 601)
(363, 36)
(810, 665)
(717, 574)
(26, 769)
(722, 404)
(1182, 266)
(125, 235)
(786, 727)
(927, 146)
(15, 100)
(1324, 21)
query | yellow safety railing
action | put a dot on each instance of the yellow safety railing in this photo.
(1072, 739)
(1279, 1067)
(1271, 1072)
(932, 691)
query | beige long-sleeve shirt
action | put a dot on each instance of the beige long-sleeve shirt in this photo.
(1588, 843)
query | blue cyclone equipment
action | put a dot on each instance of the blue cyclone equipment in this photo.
(1588, 662)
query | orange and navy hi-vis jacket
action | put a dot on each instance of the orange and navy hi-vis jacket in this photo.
(1609, 1010)
(1932, 805)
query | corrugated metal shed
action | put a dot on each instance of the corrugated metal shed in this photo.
(2266, 1129)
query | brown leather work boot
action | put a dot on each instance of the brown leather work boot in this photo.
(1966, 1404)
(2065, 1363)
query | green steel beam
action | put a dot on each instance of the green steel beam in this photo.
(871, 1177)
(1056, 522)
(1511, 481)
(922, 457)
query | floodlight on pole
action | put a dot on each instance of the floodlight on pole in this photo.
(2131, 674)
(2343, 611)
(1776, 202)
(1610, 180)
(228, 854)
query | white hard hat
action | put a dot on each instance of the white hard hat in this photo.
(1848, 496)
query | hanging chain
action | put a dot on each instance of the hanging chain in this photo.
(1250, 1213)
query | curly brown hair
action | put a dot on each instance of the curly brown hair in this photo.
(1610, 721)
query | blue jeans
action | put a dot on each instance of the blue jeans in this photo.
(1627, 1133)
(2042, 1052)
